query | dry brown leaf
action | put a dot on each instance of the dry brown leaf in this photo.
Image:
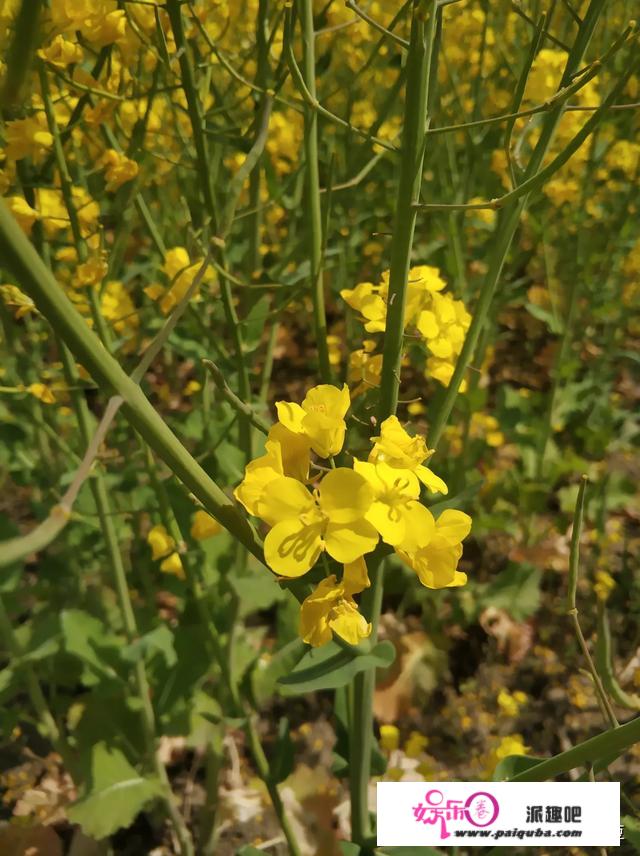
(514, 639)
(417, 661)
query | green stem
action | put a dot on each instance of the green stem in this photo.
(36, 280)
(66, 186)
(420, 69)
(415, 126)
(103, 507)
(507, 223)
(219, 225)
(265, 774)
(572, 609)
(313, 190)
(601, 749)
(34, 689)
(361, 720)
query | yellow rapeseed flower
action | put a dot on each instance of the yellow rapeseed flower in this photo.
(395, 511)
(160, 541)
(331, 609)
(118, 169)
(400, 450)
(23, 212)
(305, 524)
(435, 559)
(320, 418)
(389, 737)
(204, 526)
(173, 565)
(61, 52)
(42, 392)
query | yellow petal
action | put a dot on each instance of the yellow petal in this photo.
(284, 498)
(420, 527)
(355, 577)
(292, 548)
(314, 626)
(328, 400)
(453, 526)
(290, 415)
(204, 526)
(160, 541)
(325, 434)
(258, 474)
(173, 565)
(348, 543)
(293, 449)
(42, 392)
(347, 622)
(388, 521)
(430, 480)
(345, 496)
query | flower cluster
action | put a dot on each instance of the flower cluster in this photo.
(342, 513)
(437, 318)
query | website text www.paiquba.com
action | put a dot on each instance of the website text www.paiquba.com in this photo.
(518, 833)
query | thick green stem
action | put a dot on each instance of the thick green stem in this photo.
(361, 721)
(313, 190)
(415, 126)
(36, 280)
(419, 71)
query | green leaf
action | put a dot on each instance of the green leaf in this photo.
(460, 500)
(264, 676)
(85, 637)
(254, 323)
(157, 641)
(631, 831)
(331, 667)
(512, 765)
(114, 794)
(282, 758)
(39, 638)
(516, 590)
(257, 589)
(554, 323)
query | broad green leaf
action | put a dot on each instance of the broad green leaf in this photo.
(265, 674)
(257, 589)
(157, 641)
(331, 666)
(512, 765)
(39, 638)
(113, 795)
(516, 590)
(85, 637)
(206, 721)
